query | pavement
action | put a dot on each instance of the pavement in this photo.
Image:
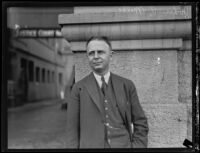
(39, 125)
(35, 105)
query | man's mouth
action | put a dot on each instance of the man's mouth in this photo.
(97, 63)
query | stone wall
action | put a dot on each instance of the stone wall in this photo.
(163, 82)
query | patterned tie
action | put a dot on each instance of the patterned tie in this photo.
(104, 85)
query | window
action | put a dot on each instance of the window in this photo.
(23, 72)
(43, 75)
(48, 76)
(37, 74)
(31, 71)
(53, 76)
(60, 78)
(11, 65)
(23, 63)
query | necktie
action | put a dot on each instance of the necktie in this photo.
(103, 89)
(104, 86)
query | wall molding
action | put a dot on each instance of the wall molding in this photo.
(146, 44)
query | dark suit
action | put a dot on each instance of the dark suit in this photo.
(85, 128)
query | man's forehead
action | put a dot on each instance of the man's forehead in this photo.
(97, 44)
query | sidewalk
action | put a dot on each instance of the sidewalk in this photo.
(35, 105)
(40, 125)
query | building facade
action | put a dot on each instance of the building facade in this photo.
(153, 48)
(38, 67)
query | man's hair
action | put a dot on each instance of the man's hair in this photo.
(101, 38)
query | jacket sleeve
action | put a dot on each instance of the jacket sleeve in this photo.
(139, 120)
(72, 127)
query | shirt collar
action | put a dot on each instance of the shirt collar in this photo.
(98, 78)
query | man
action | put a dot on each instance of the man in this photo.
(104, 110)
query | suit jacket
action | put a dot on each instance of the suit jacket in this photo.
(85, 128)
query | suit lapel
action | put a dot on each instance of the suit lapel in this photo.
(92, 89)
(118, 87)
(119, 93)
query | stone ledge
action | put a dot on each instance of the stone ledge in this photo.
(123, 45)
(129, 31)
(144, 15)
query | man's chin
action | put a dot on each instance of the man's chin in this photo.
(98, 69)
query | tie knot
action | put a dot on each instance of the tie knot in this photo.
(103, 79)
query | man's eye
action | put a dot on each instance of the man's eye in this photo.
(100, 52)
(91, 53)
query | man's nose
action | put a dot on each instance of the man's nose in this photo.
(96, 55)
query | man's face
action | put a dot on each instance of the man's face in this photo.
(99, 55)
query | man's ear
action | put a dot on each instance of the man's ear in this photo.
(111, 53)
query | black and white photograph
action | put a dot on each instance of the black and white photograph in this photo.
(102, 77)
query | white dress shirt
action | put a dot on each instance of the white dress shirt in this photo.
(98, 78)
